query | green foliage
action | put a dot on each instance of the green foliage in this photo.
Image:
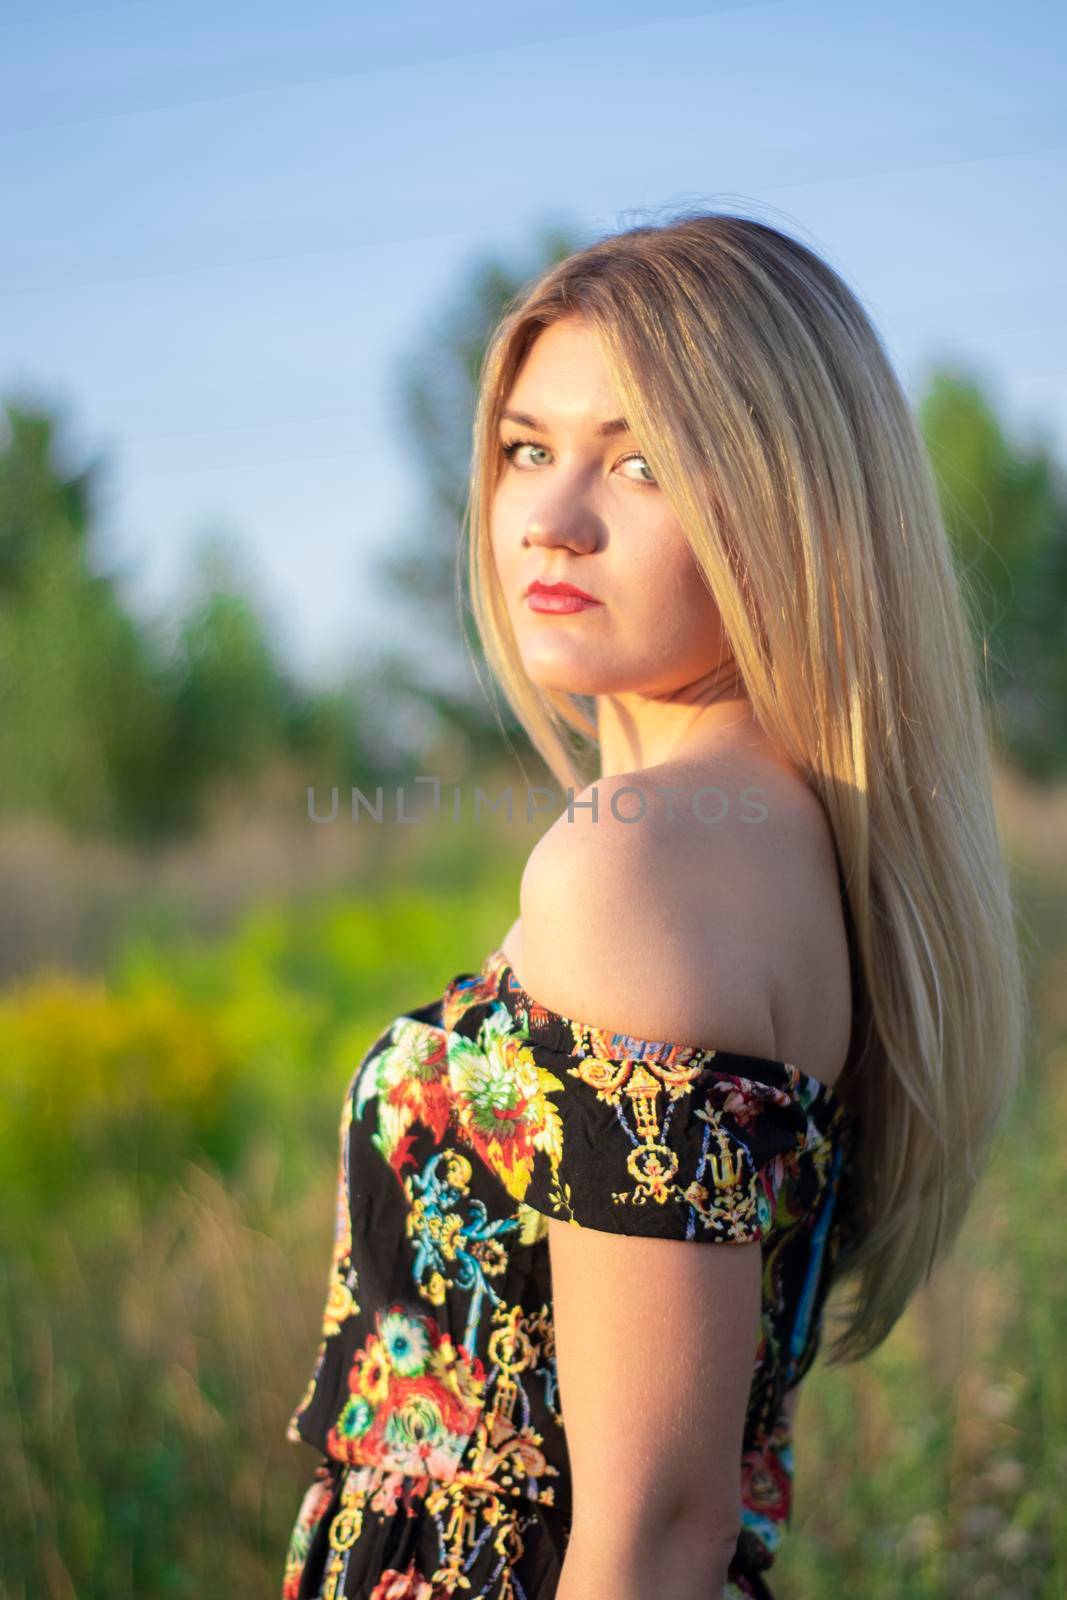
(230, 701)
(38, 504)
(82, 714)
(104, 724)
(187, 1044)
(1005, 507)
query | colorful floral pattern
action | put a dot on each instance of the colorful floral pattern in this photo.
(433, 1403)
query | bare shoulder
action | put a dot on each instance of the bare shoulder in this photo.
(707, 912)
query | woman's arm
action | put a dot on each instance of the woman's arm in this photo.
(655, 1346)
(676, 1572)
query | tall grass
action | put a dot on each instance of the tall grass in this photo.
(936, 1469)
(152, 1356)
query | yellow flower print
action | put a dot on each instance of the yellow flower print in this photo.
(501, 1099)
(434, 1289)
(373, 1371)
(340, 1303)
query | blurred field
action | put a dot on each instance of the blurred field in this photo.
(938, 1467)
(167, 1167)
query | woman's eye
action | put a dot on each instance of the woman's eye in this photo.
(511, 446)
(644, 463)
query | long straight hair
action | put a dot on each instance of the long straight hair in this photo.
(774, 424)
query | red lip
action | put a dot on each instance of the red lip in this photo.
(537, 587)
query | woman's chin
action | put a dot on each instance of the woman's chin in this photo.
(559, 678)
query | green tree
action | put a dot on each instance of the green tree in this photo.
(82, 709)
(1005, 507)
(231, 695)
(122, 725)
(238, 710)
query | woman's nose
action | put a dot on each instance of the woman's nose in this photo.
(557, 522)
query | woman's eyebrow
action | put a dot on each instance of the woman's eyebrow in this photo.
(617, 425)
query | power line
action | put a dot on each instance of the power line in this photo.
(405, 56)
(254, 464)
(493, 233)
(135, 439)
(35, 15)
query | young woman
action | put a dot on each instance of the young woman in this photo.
(764, 992)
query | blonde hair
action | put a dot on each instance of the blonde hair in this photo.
(772, 420)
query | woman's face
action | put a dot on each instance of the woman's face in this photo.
(576, 505)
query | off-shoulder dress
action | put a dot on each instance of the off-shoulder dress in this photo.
(433, 1406)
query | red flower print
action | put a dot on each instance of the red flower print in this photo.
(766, 1487)
(406, 1585)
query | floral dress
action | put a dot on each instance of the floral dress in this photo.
(433, 1405)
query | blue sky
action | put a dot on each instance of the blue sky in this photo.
(224, 225)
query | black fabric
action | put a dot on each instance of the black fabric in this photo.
(433, 1403)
